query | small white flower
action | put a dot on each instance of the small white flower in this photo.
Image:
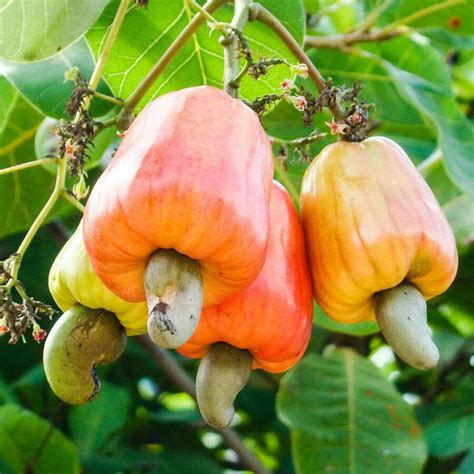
(301, 70)
(287, 85)
(299, 102)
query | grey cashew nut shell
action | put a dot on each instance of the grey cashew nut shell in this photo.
(402, 317)
(81, 339)
(222, 374)
(174, 293)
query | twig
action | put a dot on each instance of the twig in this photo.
(105, 124)
(184, 382)
(364, 34)
(374, 15)
(297, 141)
(108, 98)
(231, 44)
(28, 164)
(257, 12)
(261, 14)
(358, 36)
(131, 103)
(38, 222)
(110, 40)
(69, 197)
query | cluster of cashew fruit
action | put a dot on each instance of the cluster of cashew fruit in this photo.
(186, 237)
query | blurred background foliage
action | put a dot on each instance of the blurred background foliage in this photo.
(351, 405)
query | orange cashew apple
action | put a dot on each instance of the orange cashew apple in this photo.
(266, 326)
(378, 242)
(180, 216)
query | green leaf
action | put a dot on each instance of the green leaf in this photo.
(446, 40)
(92, 425)
(147, 33)
(420, 75)
(345, 417)
(450, 437)
(457, 206)
(435, 175)
(30, 444)
(31, 30)
(460, 212)
(166, 462)
(6, 393)
(165, 417)
(358, 329)
(428, 13)
(448, 343)
(7, 102)
(467, 464)
(42, 82)
(455, 313)
(463, 75)
(25, 192)
(457, 404)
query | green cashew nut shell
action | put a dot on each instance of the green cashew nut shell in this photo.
(81, 339)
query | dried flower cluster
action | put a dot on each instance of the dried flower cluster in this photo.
(16, 318)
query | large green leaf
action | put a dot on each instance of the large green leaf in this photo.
(467, 464)
(7, 102)
(450, 436)
(31, 30)
(428, 13)
(449, 426)
(42, 82)
(170, 461)
(345, 417)
(30, 444)
(457, 206)
(146, 34)
(435, 175)
(24, 193)
(420, 75)
(340, 16)
(92, 425)
(358, 329)
(445, 40)
(460, 214)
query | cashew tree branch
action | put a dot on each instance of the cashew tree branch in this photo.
(231, 43)
(261, 14)
(357, 36)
